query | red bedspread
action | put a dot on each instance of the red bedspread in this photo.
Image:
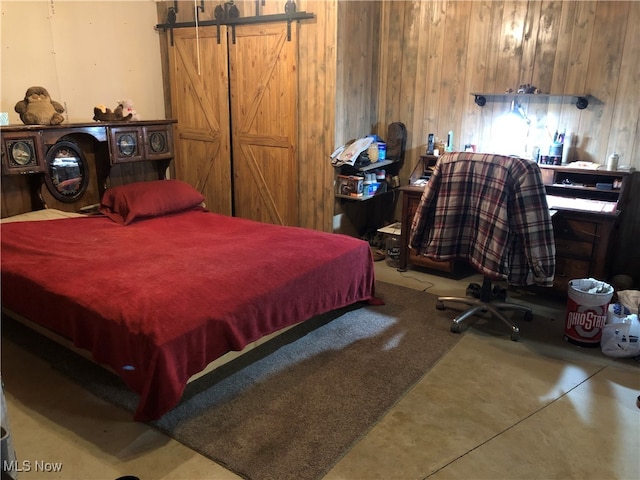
(159, 299)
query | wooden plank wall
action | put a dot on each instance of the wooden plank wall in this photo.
(424, 58)
(436, 53)
(337, 87)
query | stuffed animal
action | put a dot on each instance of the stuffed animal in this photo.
(127, 108)
(37, 108)
(104, 114)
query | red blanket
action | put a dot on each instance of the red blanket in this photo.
(159, 299)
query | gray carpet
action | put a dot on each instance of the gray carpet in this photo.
(293, 407)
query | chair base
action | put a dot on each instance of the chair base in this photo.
(485, 305)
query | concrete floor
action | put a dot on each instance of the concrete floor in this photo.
(490, 409)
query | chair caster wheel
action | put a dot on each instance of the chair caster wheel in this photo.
(439, 305)
(515, 336)
(455, 327)
(528, 316)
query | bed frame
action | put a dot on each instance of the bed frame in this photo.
(30, 194)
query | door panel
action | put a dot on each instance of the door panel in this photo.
(263, 117)
(200, 103)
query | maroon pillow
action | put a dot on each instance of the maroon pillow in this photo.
(134, 201)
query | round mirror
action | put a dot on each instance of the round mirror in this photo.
(66, 175)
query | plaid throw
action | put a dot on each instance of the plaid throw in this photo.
(490, 210)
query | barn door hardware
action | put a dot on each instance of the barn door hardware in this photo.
(289, 9)
(228, 14)
(171, 20)
(258, 4)
(223, 13)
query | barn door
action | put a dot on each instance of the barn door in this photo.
(262, 62)
(200, 103)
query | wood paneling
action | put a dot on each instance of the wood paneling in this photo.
(560, 47)
(420, 60)
(317, 60)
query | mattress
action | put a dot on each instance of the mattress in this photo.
(159, 299)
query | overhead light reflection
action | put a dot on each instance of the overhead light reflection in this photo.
(516, 108)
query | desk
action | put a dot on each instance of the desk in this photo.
(583, 238)
(408, 256)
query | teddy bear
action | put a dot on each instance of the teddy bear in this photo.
(37, 108)
(104, 114)
(127, 108)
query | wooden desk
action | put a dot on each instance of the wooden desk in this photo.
(583, 239)
(408, 256)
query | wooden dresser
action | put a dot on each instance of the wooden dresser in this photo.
(584, 219)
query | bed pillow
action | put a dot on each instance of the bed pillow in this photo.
(134, 201)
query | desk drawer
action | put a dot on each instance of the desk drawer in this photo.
(576, 249)
(575, 238)
(575, 230)
(569, 269)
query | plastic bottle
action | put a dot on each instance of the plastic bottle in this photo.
(449, 147)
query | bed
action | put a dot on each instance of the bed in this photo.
(156, 287)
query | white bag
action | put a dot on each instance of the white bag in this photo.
(622, 338)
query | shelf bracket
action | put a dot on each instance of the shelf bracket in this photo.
(582, 103)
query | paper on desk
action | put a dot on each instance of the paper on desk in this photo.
(585, 165)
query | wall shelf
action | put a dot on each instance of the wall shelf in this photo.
(581, 101)
(347, 175)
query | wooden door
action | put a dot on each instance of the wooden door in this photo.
(263, 79)
(200, 103)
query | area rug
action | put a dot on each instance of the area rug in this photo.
(291, 408)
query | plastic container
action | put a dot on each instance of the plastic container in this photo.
(382, 151)
(393, 250)
(587, 308)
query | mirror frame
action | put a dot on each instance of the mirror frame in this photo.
(52, 154)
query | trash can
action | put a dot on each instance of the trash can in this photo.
(392, 243)
(587, 307)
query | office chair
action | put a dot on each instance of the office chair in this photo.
(490, 210)
(485, 303)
